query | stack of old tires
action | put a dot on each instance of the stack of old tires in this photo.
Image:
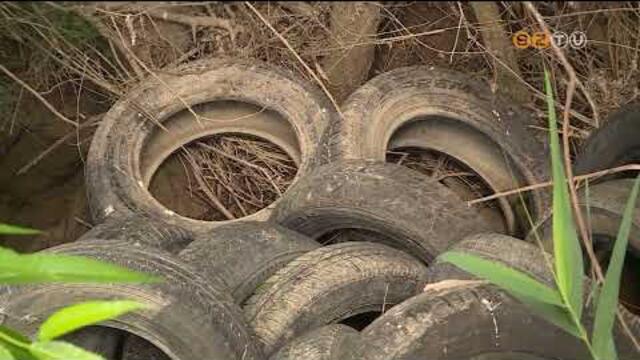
(345, 264)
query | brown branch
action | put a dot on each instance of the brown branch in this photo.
(38, 96)
(205, 189)
(549, 183)
(351, 23)
(92, 121)
(297, 56)
(207, 21)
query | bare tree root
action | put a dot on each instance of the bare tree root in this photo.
(353, 30)
(497, 43)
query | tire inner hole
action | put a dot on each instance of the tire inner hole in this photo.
(453, 174)
(115, 344)
(361, 321)
(223, 177)
(629, 290)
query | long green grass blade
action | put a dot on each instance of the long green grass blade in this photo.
(83, 314)
(556, 315)
(51, 268)
(602, 337)
(507, 278)
(16, 343)
(6, 229)
(58, 350)
(5, 354)
(567, 251)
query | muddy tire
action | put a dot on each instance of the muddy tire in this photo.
(529, 259)
(142, 230)
(460, 322)
(131, 142)
(506, 250)
(614, 144)
(187, 317)
(329, 285)
(244, 255)
(394, 205)
(448, 112)
(331, 342)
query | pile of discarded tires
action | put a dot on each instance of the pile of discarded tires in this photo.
(345, 264)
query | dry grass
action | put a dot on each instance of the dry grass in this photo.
(129, 41)
(442, 168)
(237, 175)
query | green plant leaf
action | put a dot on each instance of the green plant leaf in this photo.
(556, 315)
(6, 229)
(16, 343)
(58, 350)
(507, 278)
(50, 268)
(5, 354)
(83, 314)
(602, 337)
(567, 251)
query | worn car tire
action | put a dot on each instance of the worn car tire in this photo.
(328, 285)
(448, 112)
(393, 204)
(143, 230)
(245, 254)
(529, 259)
(131, 143)
(187, 317)
(506, 250)
(454, 321)
(615, 143)
(331, 342)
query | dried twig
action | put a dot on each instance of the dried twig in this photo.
(38, 96)
(549, 183)
(92, 121)
(297, 56)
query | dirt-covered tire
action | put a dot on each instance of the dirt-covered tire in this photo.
(245, 254)
(187, 317)
(142, 230)
(462, 321)
(329, 285)
(395, 205)
(448, 112)
(131, 141)
(507, 250)
(331, 342)
(529, 259)
(616, 143)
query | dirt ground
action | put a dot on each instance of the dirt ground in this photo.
(81, 58)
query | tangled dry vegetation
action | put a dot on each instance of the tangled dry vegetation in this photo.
(237, 175)
(104, 49)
